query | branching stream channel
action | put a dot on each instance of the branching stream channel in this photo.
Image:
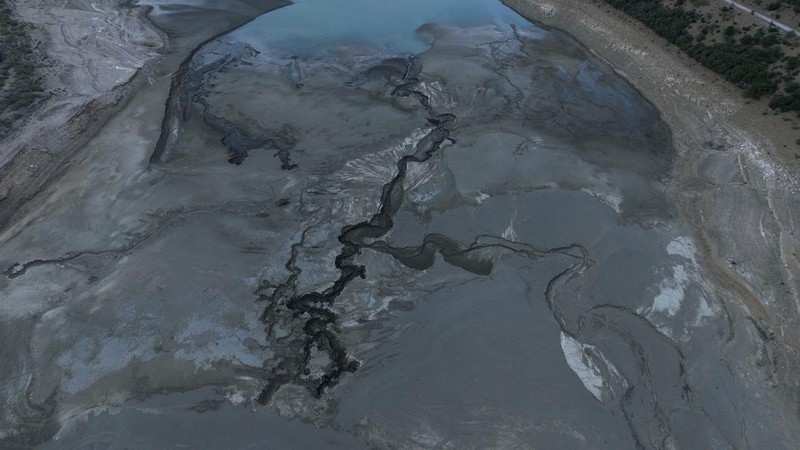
(444, 228)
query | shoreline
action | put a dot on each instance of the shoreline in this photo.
(177, 102)
(732, 176)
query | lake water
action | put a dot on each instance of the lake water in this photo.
(392, 26)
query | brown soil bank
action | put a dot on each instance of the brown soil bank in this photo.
(735, 175)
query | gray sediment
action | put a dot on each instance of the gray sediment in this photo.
(479, 246)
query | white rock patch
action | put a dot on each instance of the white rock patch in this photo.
(586, 360)
(672, 291)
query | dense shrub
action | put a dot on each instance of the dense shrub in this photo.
(751, 62)
(670, 23)
(743, 65)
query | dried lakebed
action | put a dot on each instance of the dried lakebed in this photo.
(437, 229)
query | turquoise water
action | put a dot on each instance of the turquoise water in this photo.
(310, 25)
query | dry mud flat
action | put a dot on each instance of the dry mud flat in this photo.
(402, 230)
(735, 174)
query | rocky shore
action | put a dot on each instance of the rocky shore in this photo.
(735, 177)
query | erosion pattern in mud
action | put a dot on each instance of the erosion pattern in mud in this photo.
(463, 238)
(474, 82)
(185, 89)
(320, 321)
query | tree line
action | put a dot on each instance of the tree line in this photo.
(755, 62)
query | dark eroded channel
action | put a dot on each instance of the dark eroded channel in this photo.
(450, 228)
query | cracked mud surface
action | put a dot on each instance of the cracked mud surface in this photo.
(464, 238)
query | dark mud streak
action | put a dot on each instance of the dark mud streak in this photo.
(163, 220)
(19, 269)
(497, 54)
(314, 329)
(644, 391)
(319, 328)
(239, 143)
(422, 257)
(185, 85)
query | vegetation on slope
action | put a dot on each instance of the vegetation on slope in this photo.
(762, 61)
(21, 88)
